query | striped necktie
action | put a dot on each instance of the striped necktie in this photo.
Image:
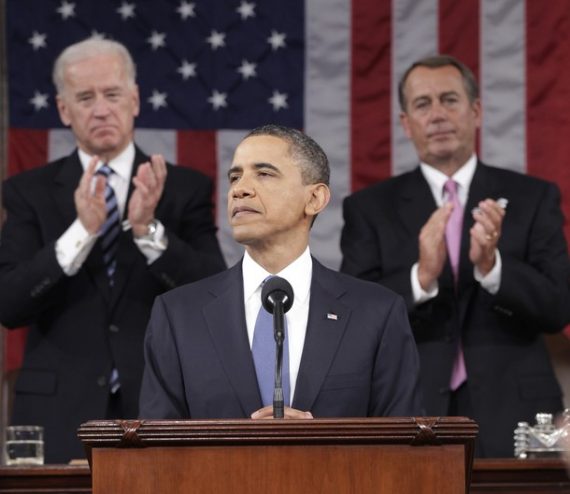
(111, 229)
(453, 231)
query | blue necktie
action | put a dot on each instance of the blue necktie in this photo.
(111, 229)
(263, 349)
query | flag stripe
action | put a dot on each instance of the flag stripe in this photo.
(503, 80)
(414, 35)
(27, 149)
(548, 94)
(371, 95)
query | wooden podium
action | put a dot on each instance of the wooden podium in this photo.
(380, 455)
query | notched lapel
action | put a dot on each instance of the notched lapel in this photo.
(65, 183)
(416, 203)
(229, 334)
(328, 319)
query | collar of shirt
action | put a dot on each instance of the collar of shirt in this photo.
(437, 179)
(299, 274)
(122, 165)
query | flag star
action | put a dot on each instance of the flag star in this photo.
(157, 100)
(218, 99)
(245, 9)
(38, 40)
(66, 10)
(278, 100)
(126, 10)
(186, 9)
(276, 40)
(216, 39)
(187, 70)
(39, 101)
(247, 69)
(157, 40)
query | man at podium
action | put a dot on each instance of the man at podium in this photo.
(348, 350)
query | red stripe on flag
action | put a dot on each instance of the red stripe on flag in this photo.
(197, 149)
(27, 149)
(371, 92)
(459, 33)
(548, 95)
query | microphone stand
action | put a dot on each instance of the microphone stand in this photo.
(279, 334)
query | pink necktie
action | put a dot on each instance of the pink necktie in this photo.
(453, 240)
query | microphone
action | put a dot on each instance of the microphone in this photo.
(277, 299)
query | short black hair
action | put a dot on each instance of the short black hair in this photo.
(303, 149)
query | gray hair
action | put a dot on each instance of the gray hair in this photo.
(435, 62)
(304, 150)
(89, 48)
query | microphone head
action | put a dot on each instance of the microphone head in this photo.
(274, 290)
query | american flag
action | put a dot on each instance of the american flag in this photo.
(208, 70)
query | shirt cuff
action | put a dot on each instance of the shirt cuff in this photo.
(153, 248)
(73, 247)
(492, 280)
(420, 295)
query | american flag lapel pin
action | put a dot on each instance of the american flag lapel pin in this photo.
(332, 316)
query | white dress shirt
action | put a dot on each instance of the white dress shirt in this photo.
(299, 274)
(73, 247)
(436, 181)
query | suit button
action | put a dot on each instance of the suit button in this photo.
(114, 328)
(102, 381)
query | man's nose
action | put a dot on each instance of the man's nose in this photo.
(101, 107)
(437, 112)
(241, 188)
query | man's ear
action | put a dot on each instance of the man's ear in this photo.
(405, 124)
(319, 197)
(63, 110)
(136, 101)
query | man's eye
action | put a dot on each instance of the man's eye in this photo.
(232, 178)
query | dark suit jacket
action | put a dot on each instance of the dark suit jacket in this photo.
(198, 362)
(79, 328)
(510, 375)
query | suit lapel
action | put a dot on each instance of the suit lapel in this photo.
(225, 317)
(416, 202)
(416, 206)
(65, 183)
(324, 334)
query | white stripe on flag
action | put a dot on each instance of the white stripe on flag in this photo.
(226, 144)
(327, 111)
(414, 35)
(503, 76)
(158, 141)
(60, 143)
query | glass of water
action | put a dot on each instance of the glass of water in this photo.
(24, 445)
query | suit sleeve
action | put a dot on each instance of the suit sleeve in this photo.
(29, 270)
(536, 288)
(193, 251)
(361, 252)
(395, 385)
(162, 393)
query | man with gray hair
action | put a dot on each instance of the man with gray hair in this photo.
(477, 252)
(89, 241)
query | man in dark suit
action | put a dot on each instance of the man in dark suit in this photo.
(67, 268)
(478, 302)
(350, 347)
